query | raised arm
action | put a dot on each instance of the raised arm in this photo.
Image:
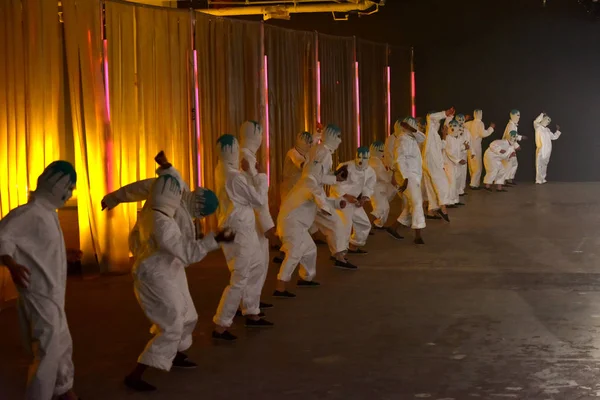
(132, 193)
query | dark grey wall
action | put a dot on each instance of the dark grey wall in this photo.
(498, 55)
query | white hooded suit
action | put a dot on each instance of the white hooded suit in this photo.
(478, 132)
(543, 142)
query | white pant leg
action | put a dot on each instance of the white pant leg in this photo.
(451, 172)
(45, 332)
(462, 178)
(513, 164)
(334, 229)
(190, 316)
(361, 226)
(381, 205)
(541, 166)
(299, 247)
(475, 170)
(432, 198)
(412, 213)
(163, 303)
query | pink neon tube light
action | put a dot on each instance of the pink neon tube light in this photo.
(389, 101)
(268, 141)
(318, 91)
(413, 90)
(357, 106)
(198, 129)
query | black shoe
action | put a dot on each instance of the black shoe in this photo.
(488, 189)
(258, 323)
(283, 295)
(307, 284)
(460, 204)
(265, 306)
(502, 190)
(445, 217)
(345, 265)
(138, 385)
(228, 336)
(432, 217)
(319, 242)
(378, 228)
(184, 363)
(277, 260)
(419, 241)
(392, 232)
(358, 251)
(474, 188)
(452, 206)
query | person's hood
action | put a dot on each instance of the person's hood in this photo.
(228, 150)
(165, 195)
(56, 184)
(251, 136)
(362, 158)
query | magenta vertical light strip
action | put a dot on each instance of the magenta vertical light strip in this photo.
(318, 91)
(389, 100)
(357, 89)
(197, 117)
(413, 91)
(268, 140)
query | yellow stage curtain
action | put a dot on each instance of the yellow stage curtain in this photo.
(230, 82)
(292, 94)
(372, 62)
(31, 115)
(91, 130)
(150, 90)
(336, 55)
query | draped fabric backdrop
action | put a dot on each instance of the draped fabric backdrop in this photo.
(336, 55)
(229, 77)
(149, 63)
(399, 61)
(372, 63)
(292, 94)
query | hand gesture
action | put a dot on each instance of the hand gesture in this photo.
(245, 165)
(162, 161)
(104, 205)
(557, 127)
(259, 168)
(225, 236)
(402, 188)
(451, 111)
(524, 137)
(319, 127)
(20, 275)
(513, 155)
(270, 234)
(342, 204)
(493, 125)
(467, 147)
(462, 162)
(350, 198)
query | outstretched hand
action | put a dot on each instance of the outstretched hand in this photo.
(245, 165)
(557, 127)
(225, 236)
(451, 111)
(493, 125)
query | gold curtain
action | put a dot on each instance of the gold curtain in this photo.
(372, 62)
(91, 130)
(399, 61)
(230, 77)
(292, 94)
(31, 115)
(149, 63)
(336, 55)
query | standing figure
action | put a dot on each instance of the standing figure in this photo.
(494, 159)
(32, 247)
(543, 144)
(466, 151)
(452, 161)
(511, 164)
(294, 162)
(239, 195)
(434, 177)
(408, 164)
(478, 132)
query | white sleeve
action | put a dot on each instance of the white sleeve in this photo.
(255, 194)
(369, 187)
(296, 158)
(487, 132)
(132, 193)
(264, 218)
(555, 135)
(13, 229)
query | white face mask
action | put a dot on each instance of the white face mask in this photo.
(229, 151)
(454, 130)
(251, 136)
(478, 115)
(304, 142)
(333, 138)
(56, 183)
(546, 121)
(362, 161)
(165, 195)
(515, 117)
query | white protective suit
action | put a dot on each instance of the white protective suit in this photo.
(250, 141)
(361, 182)
(465, 138)
(408, 164)
(332, 225)
(512, 164)
(435, 179)
(294, 162)
(159, 273)
(384, 191)
(239, 195)
(296, 216)
(543, 144)
(478, 132)
(498, 152)
(32, 236)
(452, 157)
(389, 149)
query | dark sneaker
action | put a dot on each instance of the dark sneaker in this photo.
(307, 284)
(488, 189)
(184, 364)
(265, 306)
(138, 385)
(432, 217)
(345, 265)
(278, 260)
(460, 204)
(378, 228)
(357, 251)
(283, 295)
(502, 190)
(419, 241)
(228, 336)
(452, 206)
(474, 188)
(392, 232)
(258, 323)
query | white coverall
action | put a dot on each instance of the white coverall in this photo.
(495, 171)
(292, 170)
(465, 137)
(159, 277)
(239, 196)
(389, 152)
(32, 236)
(452, 157)
(434, 177)
(511, 164)
(384, 191)
(358, 183)
(543, 143)
(478, 132)
(408, 164)
(296, 216)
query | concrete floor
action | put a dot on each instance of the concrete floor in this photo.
(503, 303)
